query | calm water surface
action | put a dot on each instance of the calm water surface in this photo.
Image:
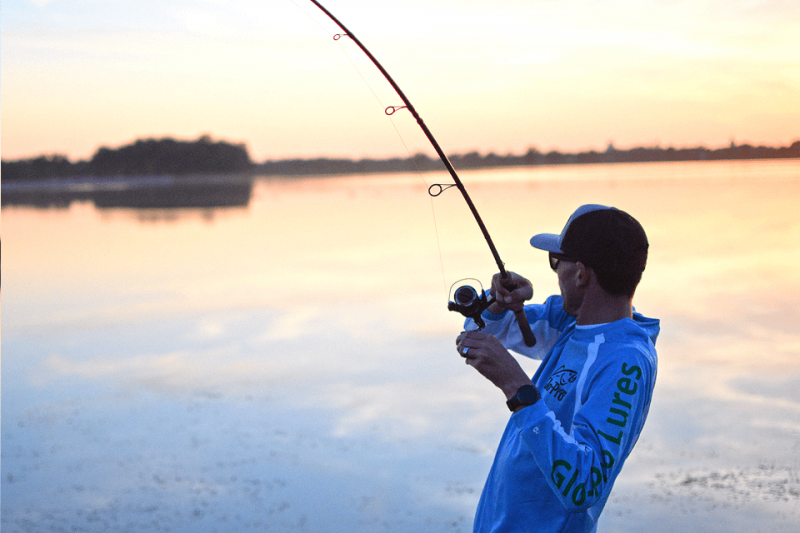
(290, 365)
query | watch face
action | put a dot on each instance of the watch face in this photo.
(528, 395)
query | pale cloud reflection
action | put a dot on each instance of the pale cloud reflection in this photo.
(183, 372)
(292, 323)
(209, 328)
(173, 372)
(398, 411)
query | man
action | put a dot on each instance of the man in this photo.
(574, 424)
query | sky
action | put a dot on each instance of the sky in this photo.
(497, 76)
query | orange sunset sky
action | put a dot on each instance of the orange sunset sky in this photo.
(499, 75)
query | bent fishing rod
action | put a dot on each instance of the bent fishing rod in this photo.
(467, 301)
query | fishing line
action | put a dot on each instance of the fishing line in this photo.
(389, 111)
(522, 320)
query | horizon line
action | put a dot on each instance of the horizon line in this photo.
(207, 137)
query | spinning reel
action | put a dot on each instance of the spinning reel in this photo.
(467, 301)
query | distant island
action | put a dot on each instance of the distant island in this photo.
(158, 157)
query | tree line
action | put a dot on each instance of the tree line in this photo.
(474, 160)
(145, 157)
(167, 156)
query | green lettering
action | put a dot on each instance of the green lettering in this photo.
(634, 369)
(623, 414)
(579, 494)
(597, 477)
(619, 401)
(609, 438)
(571, 482)
(558, 479)
(608, 462)
(624, 385)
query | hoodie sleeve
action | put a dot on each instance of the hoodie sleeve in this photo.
(581, 464)
(547, 321)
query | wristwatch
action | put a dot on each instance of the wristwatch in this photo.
(526, 395)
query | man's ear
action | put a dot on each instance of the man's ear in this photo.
(582, 275)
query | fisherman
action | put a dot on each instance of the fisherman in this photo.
(575, 422)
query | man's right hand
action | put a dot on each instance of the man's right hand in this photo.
(510, 292)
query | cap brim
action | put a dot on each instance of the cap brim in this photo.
(547, 242)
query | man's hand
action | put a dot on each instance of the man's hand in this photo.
(510, 293)
(485, 353)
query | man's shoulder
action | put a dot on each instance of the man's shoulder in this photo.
(626, 341)
(638, 331)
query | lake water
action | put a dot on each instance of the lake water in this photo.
(290, 365)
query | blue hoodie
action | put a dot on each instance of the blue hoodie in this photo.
(558, 459)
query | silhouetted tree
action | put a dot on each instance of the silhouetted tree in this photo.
(142, 158)
(171, 157)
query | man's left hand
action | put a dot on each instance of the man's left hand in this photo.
(489, 357)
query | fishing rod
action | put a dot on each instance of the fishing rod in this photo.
(464, 299)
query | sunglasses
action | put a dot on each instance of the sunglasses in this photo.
(555, 259)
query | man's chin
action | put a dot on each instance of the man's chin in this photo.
(573, 312)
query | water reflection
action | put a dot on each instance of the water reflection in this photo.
(291, 363)
(157, 192)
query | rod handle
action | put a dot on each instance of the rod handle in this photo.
(525, 328)
(522, 318)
